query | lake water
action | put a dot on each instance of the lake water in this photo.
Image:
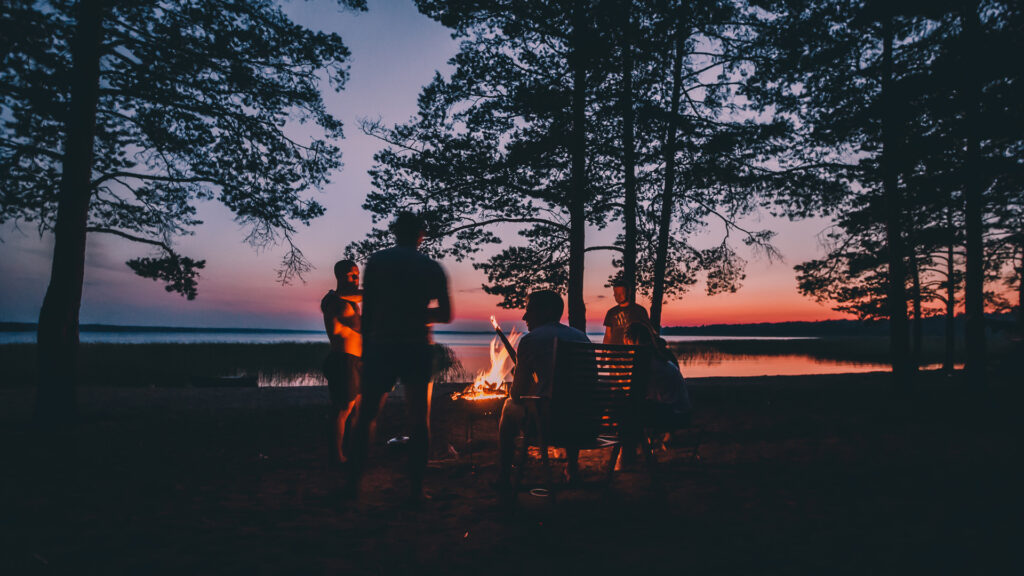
(472, 350)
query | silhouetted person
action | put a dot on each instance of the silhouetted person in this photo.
(667, 405)
(344, 363)
(663, 350)
(624, 313)
(399, 286)
(534, 376)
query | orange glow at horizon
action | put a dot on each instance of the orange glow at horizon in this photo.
(300, 304)
(267, 304)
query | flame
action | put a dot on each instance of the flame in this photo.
(490, 384)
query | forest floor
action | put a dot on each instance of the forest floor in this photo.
(812, 475)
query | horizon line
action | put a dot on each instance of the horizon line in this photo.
(96, 326)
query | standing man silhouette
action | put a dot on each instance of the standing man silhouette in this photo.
(340, 309)
(399, 285)
(625, 312)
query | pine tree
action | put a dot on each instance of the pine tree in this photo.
(117, 116)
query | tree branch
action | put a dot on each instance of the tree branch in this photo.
(162, 245)
(156, 177)
(596, 248)
(506, 221)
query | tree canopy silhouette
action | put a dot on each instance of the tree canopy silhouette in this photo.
(118, 116)
(917, 116)
(504, 141)
(557, 119)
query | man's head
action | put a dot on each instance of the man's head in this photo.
(347, 274)
(408, 229)
(620, 289)
(543, 307)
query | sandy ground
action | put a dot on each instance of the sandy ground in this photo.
(810, 475)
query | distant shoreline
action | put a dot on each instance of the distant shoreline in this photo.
(933, 326)
(31, 327)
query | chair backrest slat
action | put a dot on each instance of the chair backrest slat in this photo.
(595, 390)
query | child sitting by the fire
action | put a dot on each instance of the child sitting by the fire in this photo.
(343, 365)
(534, 373)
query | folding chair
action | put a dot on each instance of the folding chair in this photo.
(595, 403)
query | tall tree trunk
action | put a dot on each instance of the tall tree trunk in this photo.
(947, 362)
(578, 192)
(57, 349)
(668, 192)
(628, 153)
(917, 325)
(974, 289)
(896, 300)
(1020, 292)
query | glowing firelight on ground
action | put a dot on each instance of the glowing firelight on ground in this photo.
(490, 384)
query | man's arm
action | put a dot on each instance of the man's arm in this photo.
(442, 314)
(608, 320)
(338, 329)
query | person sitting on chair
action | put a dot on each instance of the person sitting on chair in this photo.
(668, 402)
(534, 375)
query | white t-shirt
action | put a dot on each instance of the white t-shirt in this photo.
(535, 358)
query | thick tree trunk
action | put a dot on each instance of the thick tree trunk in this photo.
(896, 290)
(58, 319)
(1020, 293)
(947, 362)
(974, 289)
(668, 192)
(628, 154)
(917, 326)
(578, 191)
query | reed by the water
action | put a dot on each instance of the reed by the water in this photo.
(171, 365)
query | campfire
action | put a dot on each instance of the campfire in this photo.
(490, 384)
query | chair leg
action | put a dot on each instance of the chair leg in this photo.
(616, 450)
(649, 451)
(545, 461)
(695, 447)
(517, 476)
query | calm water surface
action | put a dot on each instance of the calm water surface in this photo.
(472, 350)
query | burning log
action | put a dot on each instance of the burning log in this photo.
(508, 345)
(490, 384)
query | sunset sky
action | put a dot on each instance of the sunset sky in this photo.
(395, 51)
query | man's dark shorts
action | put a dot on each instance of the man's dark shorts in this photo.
(342, 372)
(412, 364)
